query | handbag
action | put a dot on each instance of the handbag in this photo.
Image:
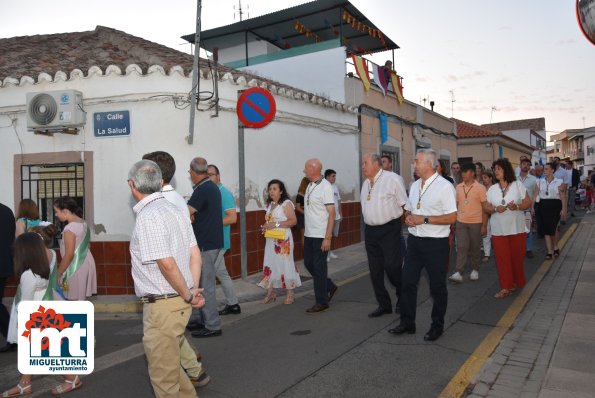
(278, 234)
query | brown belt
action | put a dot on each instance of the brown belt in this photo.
(151, 298)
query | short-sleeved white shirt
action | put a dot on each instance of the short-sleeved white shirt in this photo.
(562, 174)
(317, 196)
(530, 182)
(510, 222)
(384, 201)
(337, 197)
(549, 190)
(174, 197)
(438, 198)
(161, 231)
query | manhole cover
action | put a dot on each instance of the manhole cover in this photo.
(301, 332)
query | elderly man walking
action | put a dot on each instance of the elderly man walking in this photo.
(190, 358)
(430, 210)
(205, 209)
(319, 217)
(382, 199)
(166, 266)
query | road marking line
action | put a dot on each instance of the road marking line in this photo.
(461, 380)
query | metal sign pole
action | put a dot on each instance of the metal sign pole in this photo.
(195, 92)
(255, 108)
(242, 177)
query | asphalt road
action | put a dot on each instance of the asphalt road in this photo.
(280, 351)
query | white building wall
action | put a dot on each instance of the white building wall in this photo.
(238, 52)
(301, 130)
(589, 157)
(321, 73)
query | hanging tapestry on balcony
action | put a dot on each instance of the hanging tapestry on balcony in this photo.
(397, 88)
(362, 71)
(380, 78)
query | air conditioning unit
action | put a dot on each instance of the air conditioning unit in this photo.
(55, 110)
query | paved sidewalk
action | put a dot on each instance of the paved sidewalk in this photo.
(549, 350)
(351, 262)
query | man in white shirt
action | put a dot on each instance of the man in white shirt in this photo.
(430, 210)
(331, 176)
(166, 267)
(530, 182)
(382, 199)
(319, 217)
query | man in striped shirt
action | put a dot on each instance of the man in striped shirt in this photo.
(382, 199)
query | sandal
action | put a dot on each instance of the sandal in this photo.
(74, 384)
(271, 296)
(556, 252)
(549, 256)
(22, 391)
(290, 298)
(503, 293)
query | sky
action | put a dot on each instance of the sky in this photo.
(499, 60)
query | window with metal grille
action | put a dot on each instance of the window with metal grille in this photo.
(43, 183)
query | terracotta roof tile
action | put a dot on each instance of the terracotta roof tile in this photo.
(470, 130)
(536, 124)
(31, 55)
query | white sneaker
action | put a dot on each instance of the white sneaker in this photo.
(474, 275)
(332, 255)
(456, 277)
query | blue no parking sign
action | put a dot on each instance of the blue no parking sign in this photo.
(256, 107)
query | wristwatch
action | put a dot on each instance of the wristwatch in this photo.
(189, 300)
(426, 220)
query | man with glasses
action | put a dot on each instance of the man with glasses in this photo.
(230, 216)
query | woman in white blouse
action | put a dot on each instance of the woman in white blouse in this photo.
(506, 202)
(551, 194)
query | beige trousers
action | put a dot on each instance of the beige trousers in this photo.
(164, 323)
(188, 359)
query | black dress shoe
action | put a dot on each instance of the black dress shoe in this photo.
(317, 308)
(204, 332)
(9, 347)
(379, 312)
(432, 334)
(332, 292)
(231, 309)
(400, 329)
(195, 325)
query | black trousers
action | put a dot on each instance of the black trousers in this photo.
(315, 263)
(4, 315)
(385, 255)
(431, 254)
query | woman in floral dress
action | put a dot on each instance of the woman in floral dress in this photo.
(279, 270)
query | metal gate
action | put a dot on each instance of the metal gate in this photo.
(43, 183)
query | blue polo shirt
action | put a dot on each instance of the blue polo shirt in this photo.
(208, 222)
(227, 203)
